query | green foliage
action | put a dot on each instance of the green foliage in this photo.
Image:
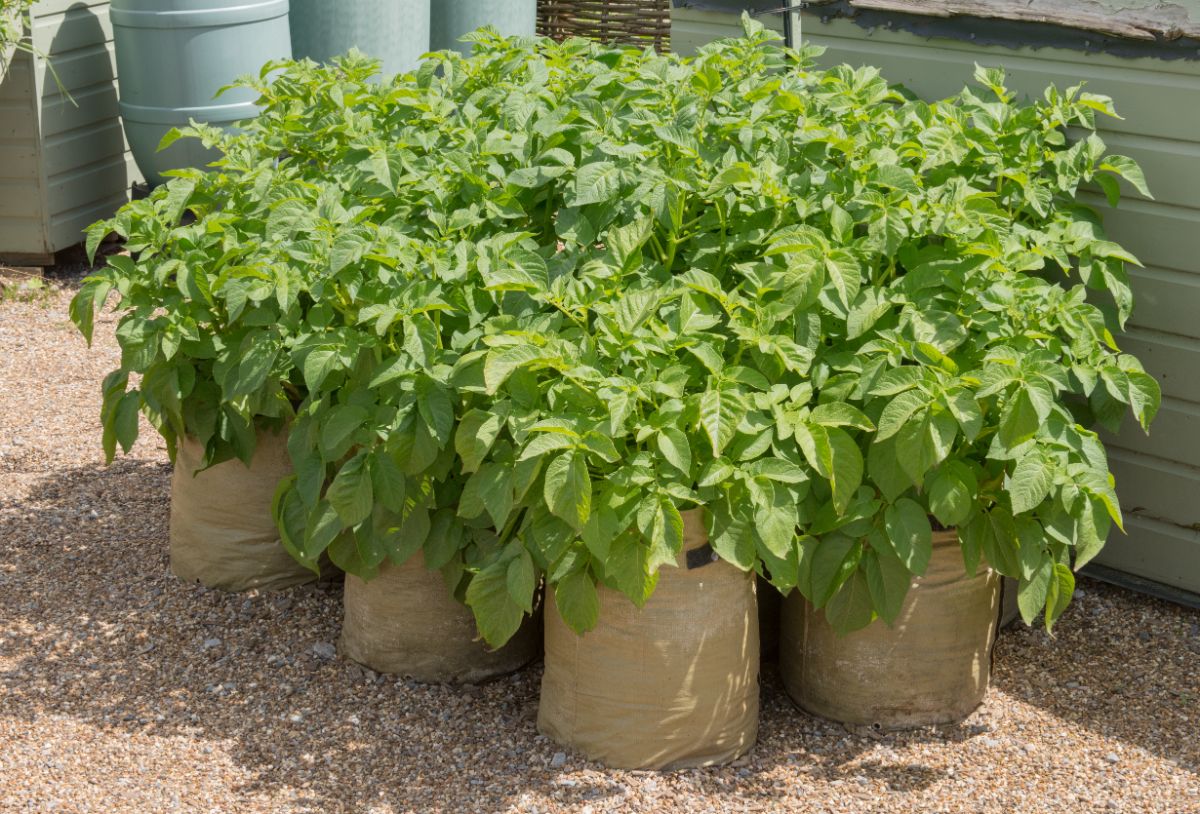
(523, 309)
(14, 18)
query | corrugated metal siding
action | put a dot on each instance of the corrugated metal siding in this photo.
(64, 162)
(1158, 477)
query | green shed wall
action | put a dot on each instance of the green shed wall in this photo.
(1158, 477)
(64, 162)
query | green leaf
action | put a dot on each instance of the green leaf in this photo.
(995, 534)
(847, 467)
(497, 615)
(318, 364)
(731, 532)
(338, 426)
(597, 182)
(1020, 419)
(1030, 482)
(909, 534)
(501, 364)
(666, 533)
(952, 490)
(850, 608)
(840, 414)
(568, 489)
(578, 602)
(897, 412)
(435, 407)
(490, 489)
(522, 581)
(888, 580)
(835, 558)
(883, 465)
(1062, 588)
(1128, 169)
(125, 420)
(626, 568)
(444, 539)
(721, 411)
(351, 493)
(1145, 396)
(674, 447)
(476, 433)
(1033, 591)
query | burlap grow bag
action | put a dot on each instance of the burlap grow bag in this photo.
(405, 622)
(672, 685)
(222, 532)
(931, 667)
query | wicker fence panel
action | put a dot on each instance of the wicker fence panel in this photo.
(627, 22)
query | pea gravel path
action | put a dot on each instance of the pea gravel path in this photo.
(123, 690)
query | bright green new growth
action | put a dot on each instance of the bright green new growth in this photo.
(528, 306)
(14, 15)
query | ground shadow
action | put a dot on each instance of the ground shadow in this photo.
(97, 629)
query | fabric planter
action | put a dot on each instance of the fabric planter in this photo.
(405, 622)
(931, 667)
(671, 685)
(222, 533)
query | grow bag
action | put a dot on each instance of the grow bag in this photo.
(222, 532)
(671, 685)
(931, 667)
(405, 622)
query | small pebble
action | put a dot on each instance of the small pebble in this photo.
(324, 650)
(210, 644)
(1112, 757)
(559, 760)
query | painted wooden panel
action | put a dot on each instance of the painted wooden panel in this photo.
(1157, 476)
(1163, 552)
(81, 170)
(1174, 435)
(1155, 487)
(1167, 301)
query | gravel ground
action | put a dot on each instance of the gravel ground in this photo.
(123, 690)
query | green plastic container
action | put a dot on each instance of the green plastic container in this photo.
(172, 58)
(394, 31)
(450, 19)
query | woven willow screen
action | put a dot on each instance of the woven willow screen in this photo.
(628, 22)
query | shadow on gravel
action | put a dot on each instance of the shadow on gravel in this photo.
(1123, 665)
(103, 633)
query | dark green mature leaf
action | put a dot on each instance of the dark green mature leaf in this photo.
(522, 581)
(888, 580)
(952, 490)
(578, 602)
(351, 493)
(1034, 589)
(834, 560)
(568, 489)
(476, 433)
(909, 534)
(497, 615)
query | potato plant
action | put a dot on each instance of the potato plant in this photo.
(523, 308)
